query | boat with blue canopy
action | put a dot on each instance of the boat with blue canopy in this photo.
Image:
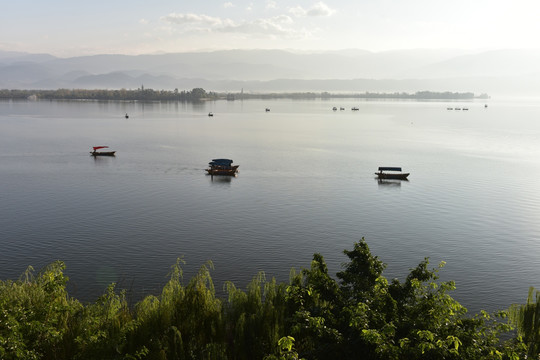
(222, 167)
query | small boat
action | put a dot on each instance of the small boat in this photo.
(127, 116)
(222, 167)
(391, 175)
(210, 114)
(267, 109)
(334, 108)
(101, 153)
(355, 109)
(341, 108)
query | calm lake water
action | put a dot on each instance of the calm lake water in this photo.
(306, 185)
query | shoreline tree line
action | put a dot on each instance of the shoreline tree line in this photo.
(356, 314)
(199, 94)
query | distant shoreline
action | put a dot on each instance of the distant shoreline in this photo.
(199, 94)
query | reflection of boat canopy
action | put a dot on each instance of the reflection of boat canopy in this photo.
(397, 175)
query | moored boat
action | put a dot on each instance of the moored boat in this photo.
(95, 152)
(395, 173)
(222, 167)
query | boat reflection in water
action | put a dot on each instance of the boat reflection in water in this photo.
(390, 183)
(221, 180)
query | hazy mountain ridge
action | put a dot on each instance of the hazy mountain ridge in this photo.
(279, 70)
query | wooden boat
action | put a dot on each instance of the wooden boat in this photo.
(391, 175)
(103, 153)
(222, 167)
(95, 152)
(221, 171)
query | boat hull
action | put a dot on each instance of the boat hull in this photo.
(227, 172)
(102, 153)
(402, 176)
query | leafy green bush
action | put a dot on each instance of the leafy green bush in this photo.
(359, 313)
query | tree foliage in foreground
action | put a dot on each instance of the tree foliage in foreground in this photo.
(359, 314)
(527, 320)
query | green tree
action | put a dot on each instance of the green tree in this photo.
(198, 94)
(526, 318)
(314, 302)
(35, 315)
(415, 319)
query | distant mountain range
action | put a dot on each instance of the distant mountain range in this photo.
(502, 72)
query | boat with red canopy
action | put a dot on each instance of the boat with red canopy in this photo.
(101, 153)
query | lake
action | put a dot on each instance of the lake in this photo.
(306, 184)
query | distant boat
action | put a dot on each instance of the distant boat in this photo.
(334, 108)
(449, 108)
(382, 174)
(127, 116)
(341, 108)
(95, 152)
(485, 105)
(222, 167)
(355, 109)
(210, 114)
(267, 109)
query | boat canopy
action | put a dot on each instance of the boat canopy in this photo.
(389, 168)
(221, 162)
(99, 147)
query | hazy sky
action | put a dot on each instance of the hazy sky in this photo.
(74, 27)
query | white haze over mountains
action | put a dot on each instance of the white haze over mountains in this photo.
(496, 72)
